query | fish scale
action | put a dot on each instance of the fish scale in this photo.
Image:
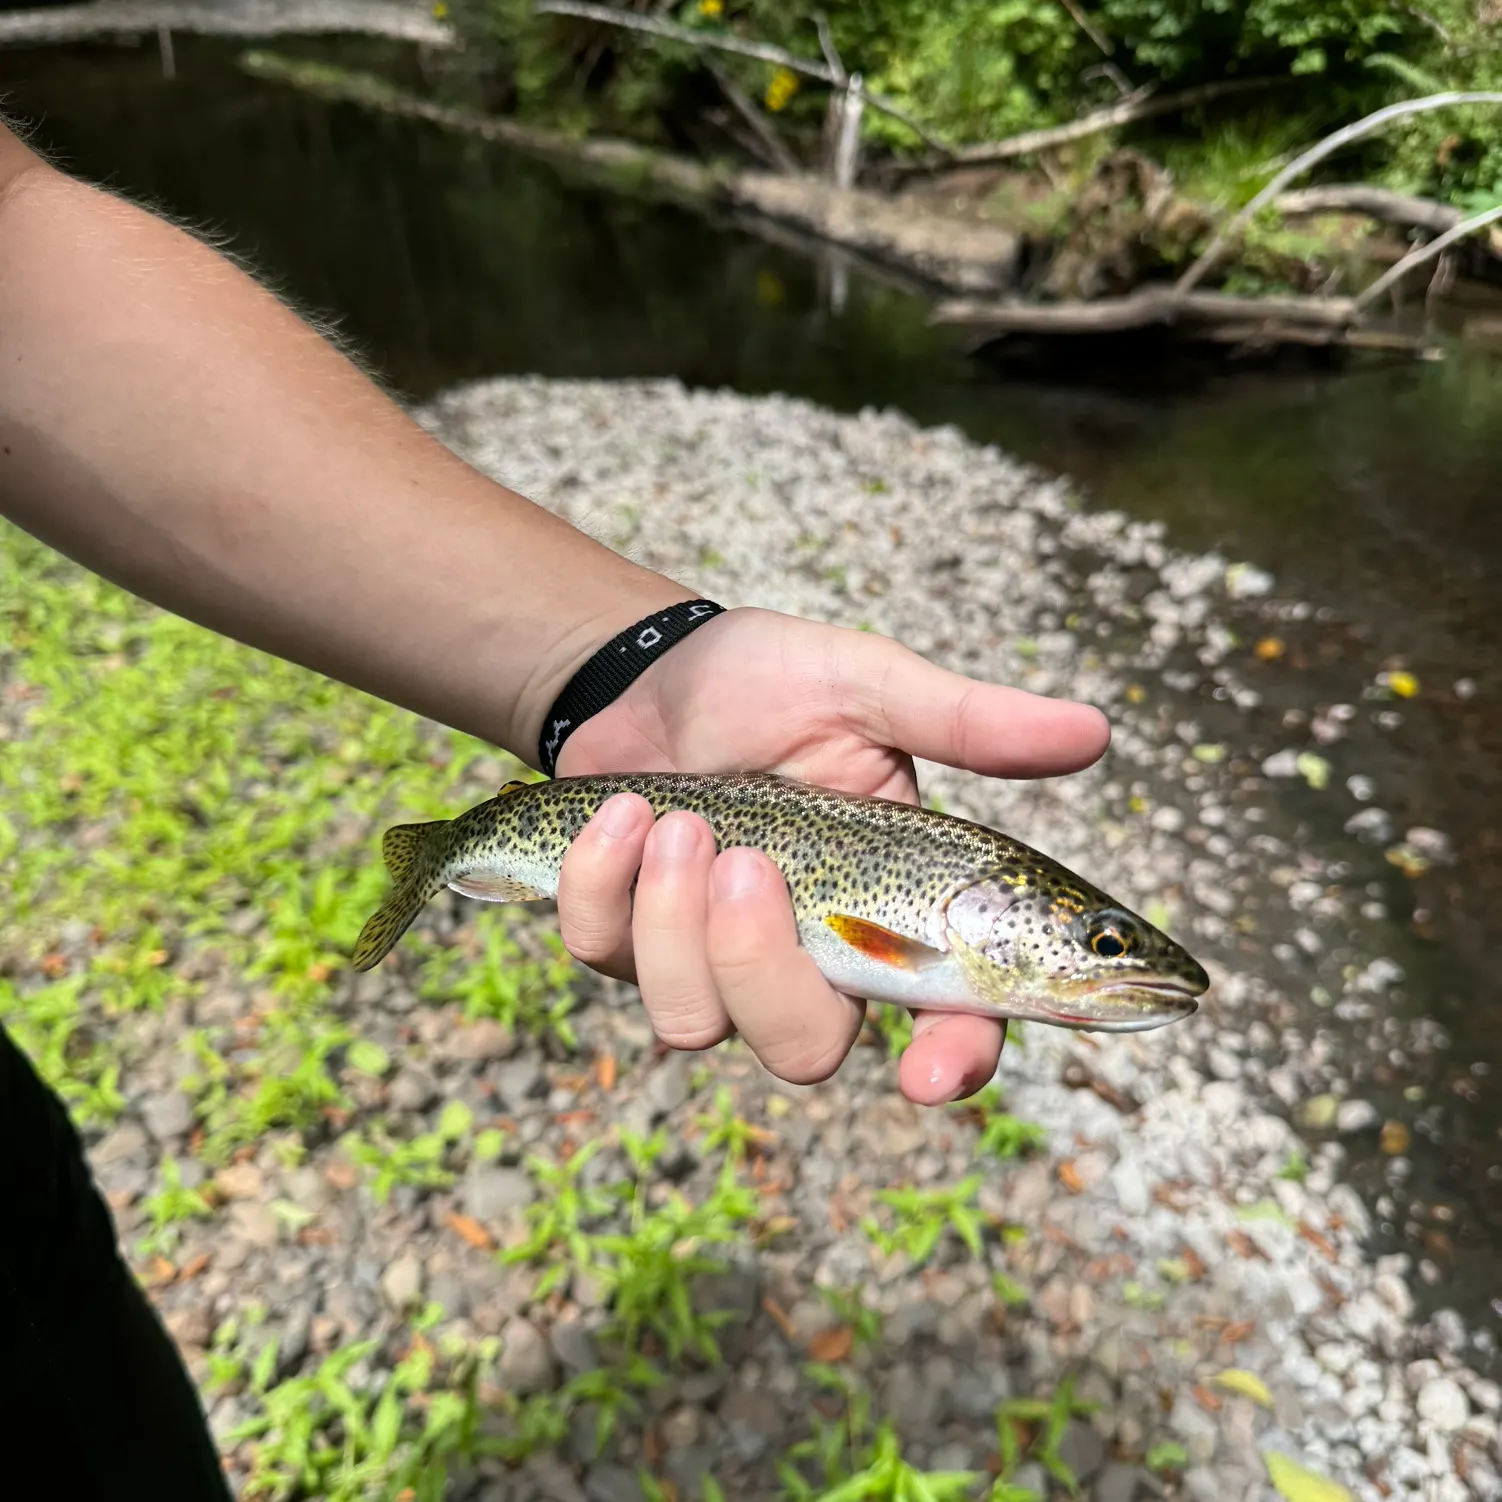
(895, 902)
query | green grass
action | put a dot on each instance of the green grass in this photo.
(183, 820)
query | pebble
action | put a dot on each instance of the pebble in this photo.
(526, 1363)
(666, 1086)
(1442, 1405)
(254, 1224)
(168, 1115)
(122, 1143)
(492, 1193)
(478, 1041)
(1356, 1116)
(612, 1483)
(1120, 1482)
(519, 1081)
(401, 1282)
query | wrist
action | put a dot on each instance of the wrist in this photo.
(629, 601)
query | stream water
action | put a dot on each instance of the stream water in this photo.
(1372, 493)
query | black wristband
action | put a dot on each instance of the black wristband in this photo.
(614, 668)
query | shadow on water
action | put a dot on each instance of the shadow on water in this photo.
(1371, 493)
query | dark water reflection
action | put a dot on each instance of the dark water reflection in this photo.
(1374, 493)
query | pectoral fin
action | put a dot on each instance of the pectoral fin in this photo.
(884, 946)
(496, 889)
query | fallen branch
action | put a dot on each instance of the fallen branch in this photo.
(1152, 305)
(1416, 258)
(630, 20)
(1383, 204)
(244, 18)
(932, 250)
(1141, 105)
(1317, 153)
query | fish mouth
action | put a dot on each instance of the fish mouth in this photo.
(1126, 1006)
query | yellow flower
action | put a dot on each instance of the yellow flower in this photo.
(782, 88)
(711, 7)
(440, 10)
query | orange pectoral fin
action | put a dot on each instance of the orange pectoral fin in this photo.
(882, 945)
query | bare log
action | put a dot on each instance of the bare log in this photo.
(1424, 253)
(929, 250)
(1151, 305)
(1140, 105)
(630, 20)
(1366, 126)
(53, 24)
(1401, 209)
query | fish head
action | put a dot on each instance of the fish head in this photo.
(1051, 948)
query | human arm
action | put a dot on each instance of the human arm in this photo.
(173, 426)
(169, 423)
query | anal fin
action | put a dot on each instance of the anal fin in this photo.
(883, 945)
(496, 889)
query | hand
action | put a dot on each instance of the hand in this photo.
(711, 939)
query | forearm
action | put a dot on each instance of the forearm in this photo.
(170, 424)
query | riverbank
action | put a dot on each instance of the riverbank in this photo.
(1065, 236)
(1173, 1250)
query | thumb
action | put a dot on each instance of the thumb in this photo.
(896, 698)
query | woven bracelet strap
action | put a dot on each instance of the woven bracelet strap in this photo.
(614, 668)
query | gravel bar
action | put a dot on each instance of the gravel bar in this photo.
(1215, 1305)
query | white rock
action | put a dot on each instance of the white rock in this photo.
(1395, 1293)
(1442, 1404)
(1282, 764)
(1356, 1116)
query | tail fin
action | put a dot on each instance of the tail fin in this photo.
(411, 854)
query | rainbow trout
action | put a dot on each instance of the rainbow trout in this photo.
(894, 903)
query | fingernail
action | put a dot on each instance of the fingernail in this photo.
(737, 873)
(677, 838)
(617, 816)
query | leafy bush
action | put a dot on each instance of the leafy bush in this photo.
(982, 69)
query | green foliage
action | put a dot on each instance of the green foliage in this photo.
(528, 994)
(921, 1216)
(418, 1160)
(650, 1271)
(1001, 1134)
(859, 1458)
(336, 1434)
(1046, 1419)
(979, 70)
(168, 1208)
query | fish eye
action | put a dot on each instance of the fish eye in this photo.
(1110, 943)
